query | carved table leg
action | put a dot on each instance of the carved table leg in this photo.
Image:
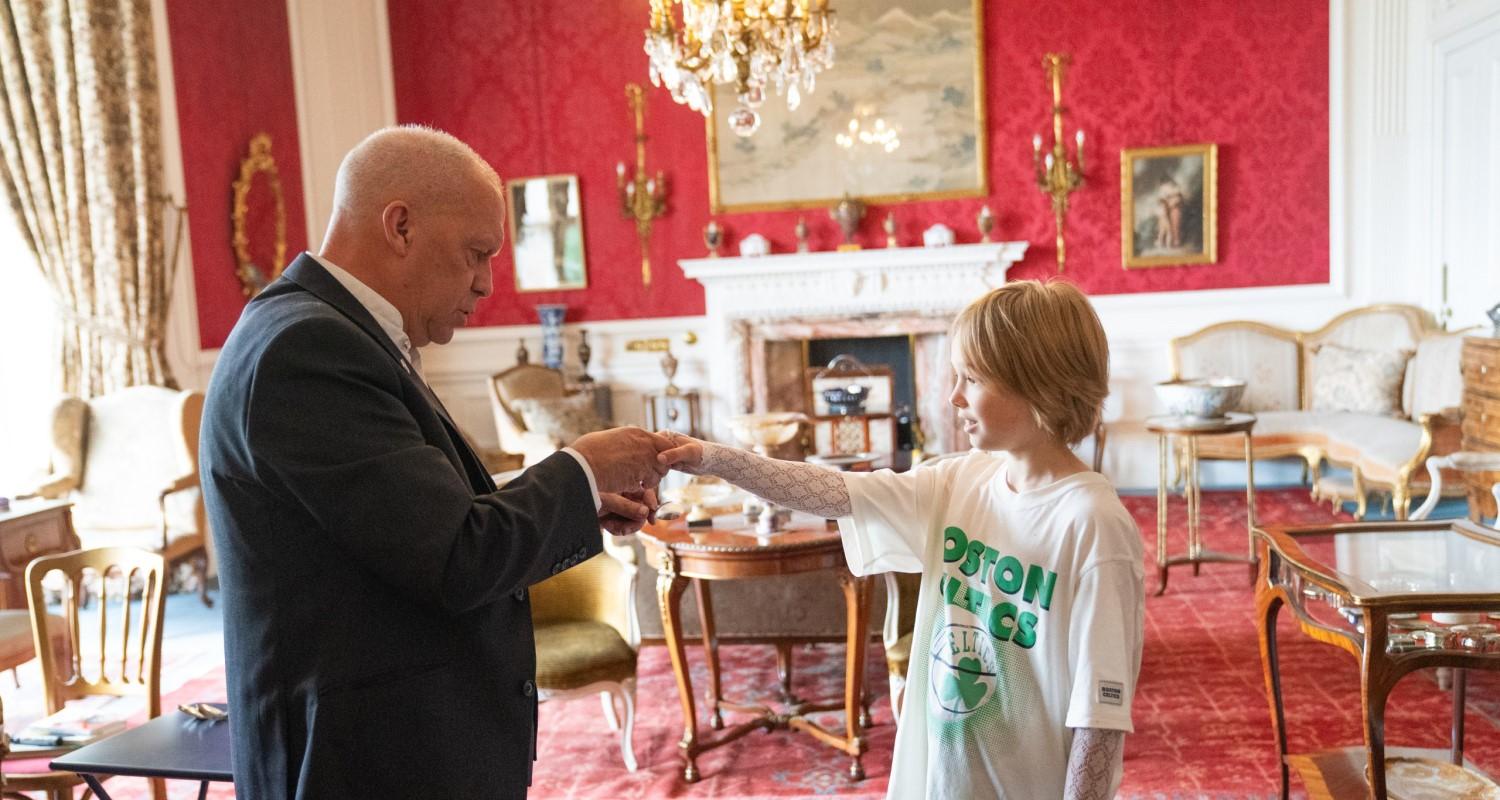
(1161, 515)
(1375, 685)
(669, 589)
(1267, 603)
(710, 650)
(856, 600)
(784, 672)
(1250, 502)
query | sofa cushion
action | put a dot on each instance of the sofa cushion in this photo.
(1363, 381)
(561, 419)
(1434, 380)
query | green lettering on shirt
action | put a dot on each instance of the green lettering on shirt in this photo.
(975, 554)
(954, 543)
(1041, 581)
(1008, 575)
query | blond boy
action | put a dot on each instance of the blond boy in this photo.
(1029, 622)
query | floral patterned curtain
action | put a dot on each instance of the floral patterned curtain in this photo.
(80, 139)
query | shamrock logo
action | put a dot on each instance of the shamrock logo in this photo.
(964, 669)
(962, 685)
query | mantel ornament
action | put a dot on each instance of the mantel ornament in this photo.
(848, 214)
(255, 276)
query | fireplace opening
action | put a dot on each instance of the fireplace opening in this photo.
(893, 352)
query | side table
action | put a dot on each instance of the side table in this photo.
(30, 529)
(726, 553)
(1190, 428)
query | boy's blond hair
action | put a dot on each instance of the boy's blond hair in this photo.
(1044, 342)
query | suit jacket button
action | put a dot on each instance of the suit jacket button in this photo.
(520, 595)
(528, 688)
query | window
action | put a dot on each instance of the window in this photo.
(29, 381)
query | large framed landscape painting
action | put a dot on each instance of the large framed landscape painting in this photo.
(899, 116)
(1169, 205)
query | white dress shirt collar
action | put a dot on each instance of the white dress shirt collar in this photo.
(385, 314)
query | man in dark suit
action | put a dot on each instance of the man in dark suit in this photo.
(377, 633)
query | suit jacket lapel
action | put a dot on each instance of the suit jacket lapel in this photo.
(307, 273)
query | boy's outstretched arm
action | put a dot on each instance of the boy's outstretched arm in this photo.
(1091, 763)
(794, 484)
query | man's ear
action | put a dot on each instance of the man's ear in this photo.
(395, 222)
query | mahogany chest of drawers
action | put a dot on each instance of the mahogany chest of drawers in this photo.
(1481, 416)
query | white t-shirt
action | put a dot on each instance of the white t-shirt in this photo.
(1029, 621)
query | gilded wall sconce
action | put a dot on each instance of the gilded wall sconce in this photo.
(1057, 175)
(643, 198)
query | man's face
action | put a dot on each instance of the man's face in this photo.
(450, 263)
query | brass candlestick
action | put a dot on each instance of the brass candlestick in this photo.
(1056, 174)
(642, 198)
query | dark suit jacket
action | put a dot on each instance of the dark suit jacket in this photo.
(377, 633)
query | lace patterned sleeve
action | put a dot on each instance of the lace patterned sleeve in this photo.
(1091, 763)
(794, 484)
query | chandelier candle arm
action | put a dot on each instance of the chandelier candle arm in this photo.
(1057, 175)
(643, 198)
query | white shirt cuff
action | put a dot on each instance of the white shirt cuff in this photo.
(593, 487)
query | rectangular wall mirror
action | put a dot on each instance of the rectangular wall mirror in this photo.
(546, 233)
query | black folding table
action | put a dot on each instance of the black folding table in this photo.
(173, 745)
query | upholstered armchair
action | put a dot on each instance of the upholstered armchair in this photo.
(128, 461)
(587, 637)
(535, 414)
(901, 590)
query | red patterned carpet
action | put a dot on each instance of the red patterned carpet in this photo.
(1202, 727)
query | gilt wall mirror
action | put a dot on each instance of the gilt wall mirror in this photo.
(259, 215)
(546, 233)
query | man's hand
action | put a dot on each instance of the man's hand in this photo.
(624, 514)
(685, 454)
(623, 459)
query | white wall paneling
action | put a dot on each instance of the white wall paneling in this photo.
(182, 340)
(1466, 159)
(341, 66)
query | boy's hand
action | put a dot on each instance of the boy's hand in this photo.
(685, 454)
(624, 514)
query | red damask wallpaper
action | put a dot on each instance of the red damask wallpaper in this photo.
(537, 87)
(232, 64)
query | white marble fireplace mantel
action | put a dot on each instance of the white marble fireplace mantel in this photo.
(835, 283)
(886, 283)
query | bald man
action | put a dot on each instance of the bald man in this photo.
(377, 634)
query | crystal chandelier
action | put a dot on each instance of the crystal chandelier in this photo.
(750, 43)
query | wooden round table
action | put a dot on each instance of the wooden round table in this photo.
(732, 551)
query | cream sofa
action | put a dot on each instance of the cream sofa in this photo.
(1383, 453)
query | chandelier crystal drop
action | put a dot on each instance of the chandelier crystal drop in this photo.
(747, 43)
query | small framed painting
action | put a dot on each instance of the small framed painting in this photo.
(1169, 205)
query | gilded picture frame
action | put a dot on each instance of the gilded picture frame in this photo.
(908, 69)
(1169, 205)
(545, 216)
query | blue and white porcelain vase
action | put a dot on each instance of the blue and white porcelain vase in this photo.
(551, 315)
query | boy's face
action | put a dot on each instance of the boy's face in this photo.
(994, 417)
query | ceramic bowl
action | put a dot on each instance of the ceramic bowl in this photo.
(1201, 398)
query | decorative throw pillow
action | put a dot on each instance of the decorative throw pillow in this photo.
(1364, 381)
(561, 419)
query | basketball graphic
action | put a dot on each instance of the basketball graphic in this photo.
(964, 669)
